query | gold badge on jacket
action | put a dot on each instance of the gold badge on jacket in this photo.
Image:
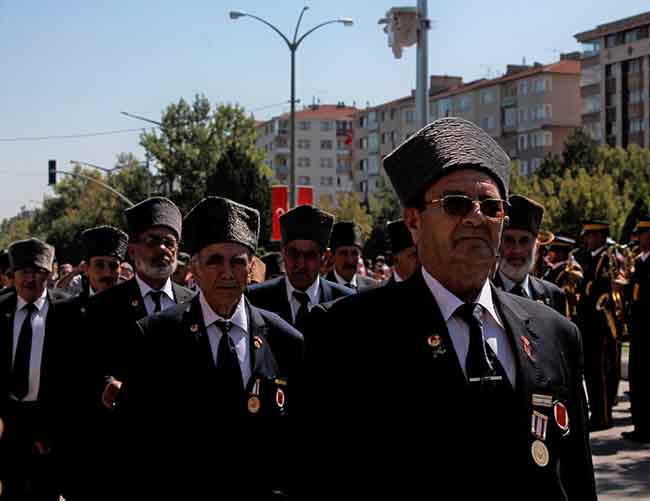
(540, 453)
(436, 344)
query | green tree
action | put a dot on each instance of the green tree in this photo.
(16, 227)
(191, 142)
(348, 207)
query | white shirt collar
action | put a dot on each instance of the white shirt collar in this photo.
(449, 302)
(397, 277)
(239, 317)
(508, 284)
(312, 291)
(145, 288)
(20, 303)
(598, 250)
(343, 281)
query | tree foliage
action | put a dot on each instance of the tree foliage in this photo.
(348, 207)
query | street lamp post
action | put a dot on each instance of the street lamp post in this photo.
(293, 47)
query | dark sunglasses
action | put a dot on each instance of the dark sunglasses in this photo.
(461, 205)
(154, 241)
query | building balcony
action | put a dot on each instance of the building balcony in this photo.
(281, 171)
(343, 169)
(372, 126)
(509, 102)
(590, 90)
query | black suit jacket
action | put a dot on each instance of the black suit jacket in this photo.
(543, 292)
(386, 380)
(271, 295)
(172, 410)
(363, 283)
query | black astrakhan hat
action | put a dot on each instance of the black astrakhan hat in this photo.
(154, 211)
(306, 223)
(524, 214)
(274, 264)
(31, 253)
(439, 148)
(217, 220)
(399, 236)
(345, 233)
(104, 241)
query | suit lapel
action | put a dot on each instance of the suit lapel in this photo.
(497, 281)
(7, 313)
(181, 294)
(282, 305)
(325, 292)
(194, 325)
(537, 289)
(134, 299)
(263, 363)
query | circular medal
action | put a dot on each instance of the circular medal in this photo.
(540, 453)
(279, 398)
(257, 342)
(253, 405)
(561, 417)
(434, 341)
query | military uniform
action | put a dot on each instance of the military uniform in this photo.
(601, 360)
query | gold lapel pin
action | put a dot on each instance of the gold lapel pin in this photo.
(257, 341)
(194, 327)
(134, 303)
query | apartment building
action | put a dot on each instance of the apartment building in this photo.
(323, 148)
(615, 81)
(530, 111)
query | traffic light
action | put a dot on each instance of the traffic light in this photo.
(51, 172)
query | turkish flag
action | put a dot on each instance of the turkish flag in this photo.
(305, 195)
(279, 204)
(348, 137)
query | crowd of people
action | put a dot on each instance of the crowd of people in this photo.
(175, 363)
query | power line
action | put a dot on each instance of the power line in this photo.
(70, 136)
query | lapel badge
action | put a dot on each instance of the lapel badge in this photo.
(279, 398)
(542, 400)
(538, 425)
(257, 342)
(437, 347)
(253, 404)
(561, 417)
(528, 348)
(540, 453)
(281, 382)
(194, 327)
(135, 303)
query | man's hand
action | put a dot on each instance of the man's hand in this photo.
(110, 393)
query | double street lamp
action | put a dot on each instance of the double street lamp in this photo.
(293, 47)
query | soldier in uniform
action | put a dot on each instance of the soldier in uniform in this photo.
(599, 342)
(639, 368)
(558, 256)
(305, 232)
(35, 376)
(485, 384)
(346, 245)
(517, 257)
(404, 252)
(215, 377)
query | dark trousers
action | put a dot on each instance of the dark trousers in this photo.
(598, 369)
(639, 375)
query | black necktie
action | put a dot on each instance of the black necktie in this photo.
(20, 373)
(229, 377)
(303, 311)
(156, 296)
(483, 367)
(519, 291)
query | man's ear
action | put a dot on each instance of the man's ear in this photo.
(411, 217)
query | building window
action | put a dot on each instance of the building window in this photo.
(363, 164)
(522, 115)
(634, 66)
(590, 104)
(326, 125)
(548, 139)
(326, 163)
(636, 125)
(523, 167)
(304, 180)
(522, 87)
(510, 117)
(487, 96)
(636, 96)
(384, 136)
(373, 142)
(373, 165)
(304, 144)
(393, 137)
(326, 181)
(445, 107)
(523, 142)
(393, 113)
(410, 116)
(326, 144)
(535, 164)
(304, 125)
(465, 103)
(383, 116)
(542, 85)
(363, 143)
(488, 123)
(363, 121)
(304, 162)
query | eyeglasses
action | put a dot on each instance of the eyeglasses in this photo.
(154, 241)
(461, 205)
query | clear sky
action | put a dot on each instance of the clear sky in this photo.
(70, 66)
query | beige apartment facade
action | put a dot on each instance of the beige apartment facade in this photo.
(324, 146)
(530, 111)
(615, 81)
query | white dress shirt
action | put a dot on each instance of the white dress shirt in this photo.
(343, 281)
(312, 292)
(493, 331)
(238, 333)
(38, 336)
(166, 300)
(508, 284)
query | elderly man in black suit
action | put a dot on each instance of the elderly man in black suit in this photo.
(517, 257)
(35, 376)
(305, 232)
(403, 250)
(216, 376)
(486, 385)
(346, 244)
